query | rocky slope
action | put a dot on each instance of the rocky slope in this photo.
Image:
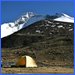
(49, 42)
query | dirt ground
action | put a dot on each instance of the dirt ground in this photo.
(38, 70)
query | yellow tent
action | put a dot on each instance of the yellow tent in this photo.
(26, 61)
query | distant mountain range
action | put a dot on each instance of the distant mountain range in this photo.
(30, 18)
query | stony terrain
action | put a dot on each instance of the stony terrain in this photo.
(41, 70)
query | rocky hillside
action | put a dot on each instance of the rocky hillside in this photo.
(49, 42)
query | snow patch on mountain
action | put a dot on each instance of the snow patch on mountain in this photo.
(65, 18)
(24, 21)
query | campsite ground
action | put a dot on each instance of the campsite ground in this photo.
(38, 70)
(45, 65)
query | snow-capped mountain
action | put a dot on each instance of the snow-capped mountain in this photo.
(65, 18)
(28, 19)
(25, 20)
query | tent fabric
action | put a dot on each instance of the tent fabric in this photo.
(21, 61)
(26, 61)
(30, 62)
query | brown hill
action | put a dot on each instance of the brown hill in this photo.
(49, 42)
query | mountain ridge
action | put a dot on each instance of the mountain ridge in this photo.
(28, 19)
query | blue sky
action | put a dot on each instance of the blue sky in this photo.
(11, 11)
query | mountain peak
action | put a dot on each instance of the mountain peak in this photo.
(29, 14)
(28, 19)
(64, 18)
(62, 14)
(24, 18)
